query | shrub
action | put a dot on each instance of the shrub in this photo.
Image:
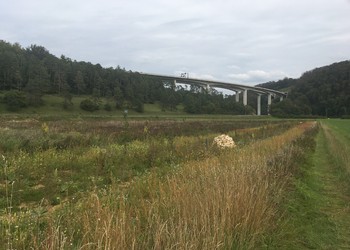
(89, 105)
(15, 100)
(139, 107)
(107, 107)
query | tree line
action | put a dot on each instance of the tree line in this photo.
(323, 91)
(27, 74)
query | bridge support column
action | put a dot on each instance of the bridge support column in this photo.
(281, 98)
(245, 97)
(237, 96)
(269, 101)
(258, 108)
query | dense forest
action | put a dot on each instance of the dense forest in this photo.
(26, 74)
(283, 85)
(323, 91)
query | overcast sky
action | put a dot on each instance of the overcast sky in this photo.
(247, 42)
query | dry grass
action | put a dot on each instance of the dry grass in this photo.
(224, 202)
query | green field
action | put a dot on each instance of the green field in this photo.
(53, 106)
(157, 183)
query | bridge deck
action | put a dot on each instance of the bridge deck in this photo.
(219, 84)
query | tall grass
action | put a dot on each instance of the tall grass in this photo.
(49, 162)
(223, 202)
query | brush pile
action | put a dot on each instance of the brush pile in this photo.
(224, 141)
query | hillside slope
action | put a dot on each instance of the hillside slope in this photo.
(323, 91)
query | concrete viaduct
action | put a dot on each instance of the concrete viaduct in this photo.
(238, 88)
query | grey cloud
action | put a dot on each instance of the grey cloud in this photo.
(257, 76)
(226, 40)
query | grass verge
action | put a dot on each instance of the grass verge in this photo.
(318, 208)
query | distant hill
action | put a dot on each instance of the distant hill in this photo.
(323, 91)
(27, 74)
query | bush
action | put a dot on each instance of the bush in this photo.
(139, 107)
(107, 107)
(15, 100)
(89, 105)
(289, 108)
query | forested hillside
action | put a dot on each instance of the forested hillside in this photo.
(284, 84)
(26, 74)
(323, 91)
(34, 72)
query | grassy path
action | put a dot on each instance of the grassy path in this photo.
(320, 210)
(335, 190)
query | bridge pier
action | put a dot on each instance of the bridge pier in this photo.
(258, 108)
(281, 98)
(237, 96)
(245, 97)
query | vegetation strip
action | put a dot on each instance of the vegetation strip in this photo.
(61, 160)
